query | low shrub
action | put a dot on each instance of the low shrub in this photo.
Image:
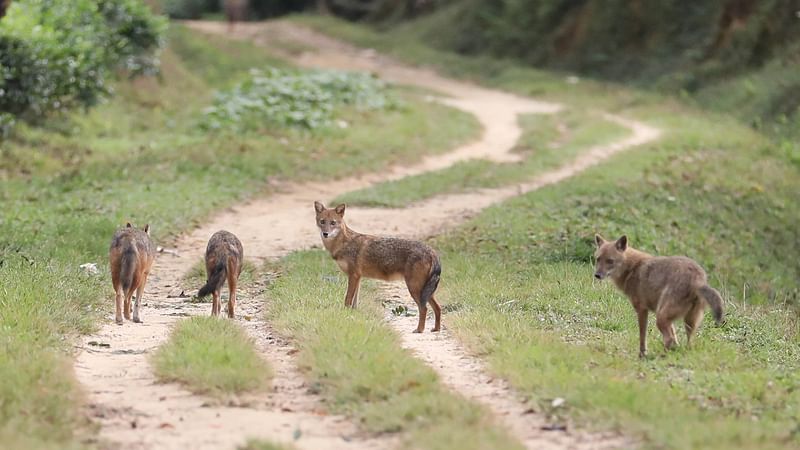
(57, 54)
(304, 99)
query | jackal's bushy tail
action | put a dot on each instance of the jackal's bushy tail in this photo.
(714, 300)
(432, 283)
(215, 279)
(127, 268)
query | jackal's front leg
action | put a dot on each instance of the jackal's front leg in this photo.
(353, 282)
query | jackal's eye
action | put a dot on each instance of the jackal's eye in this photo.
(322, 222)
(333, 222)
(609, 261)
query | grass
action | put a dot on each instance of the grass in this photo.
(518, 277)
(547, 142)
(256, 444)
(357, 364)
(212, 356)
(65, 185)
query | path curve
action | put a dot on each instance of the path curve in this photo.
(136, 412)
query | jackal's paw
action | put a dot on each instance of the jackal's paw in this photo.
(118, 320)
(417, 330)
(435, 329)
(137, 320)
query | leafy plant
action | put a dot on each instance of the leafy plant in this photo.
(305, 99)
(56, 54)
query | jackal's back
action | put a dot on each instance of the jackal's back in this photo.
(224, 244)
(681, 275)
(386, 257)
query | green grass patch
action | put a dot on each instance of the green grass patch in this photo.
(211, 355)
(142, 157)
(547, 142)
(42, 303)
(257, 444)
(357, 363)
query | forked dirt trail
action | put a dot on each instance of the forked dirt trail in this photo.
(135, 412)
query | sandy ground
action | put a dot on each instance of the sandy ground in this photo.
(136, 412)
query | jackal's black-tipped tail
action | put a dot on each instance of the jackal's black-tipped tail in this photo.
(432, 283)
(215, 279)
(714, 300)
(128, 268)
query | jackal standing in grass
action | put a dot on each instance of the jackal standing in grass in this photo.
(384, 258)
(224, 261)
(131, 255)
(672, 287)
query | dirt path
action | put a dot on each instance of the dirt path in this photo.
(135, 412)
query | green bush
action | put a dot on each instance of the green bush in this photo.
(57, 54)
(292, 98)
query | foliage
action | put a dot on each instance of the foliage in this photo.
(189, 9)
(56, 54)
(372, 10)
(292, 98)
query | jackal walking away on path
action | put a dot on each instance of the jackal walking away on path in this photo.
(224, 261)
(384, 258)
(235, 11)
(672, 287)
(131, 256)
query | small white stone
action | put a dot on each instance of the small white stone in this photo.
(90, 268)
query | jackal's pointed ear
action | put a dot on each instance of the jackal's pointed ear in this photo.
(128, 225)
(319, 207)
(340, 209)
(147, 229)
(622, 243)
(599, 240)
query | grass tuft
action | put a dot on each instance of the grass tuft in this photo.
(211, 355)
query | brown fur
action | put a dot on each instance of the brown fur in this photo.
(672, 287)
(131, 256)
(4, 5)
(224, 261)
(235, 11)
(384, 258)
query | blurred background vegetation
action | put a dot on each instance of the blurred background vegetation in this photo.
(739, 56)
(731, 55)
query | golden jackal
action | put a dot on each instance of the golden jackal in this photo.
(361, 255)
(131, 254)
(670, 286)
(224, 260)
